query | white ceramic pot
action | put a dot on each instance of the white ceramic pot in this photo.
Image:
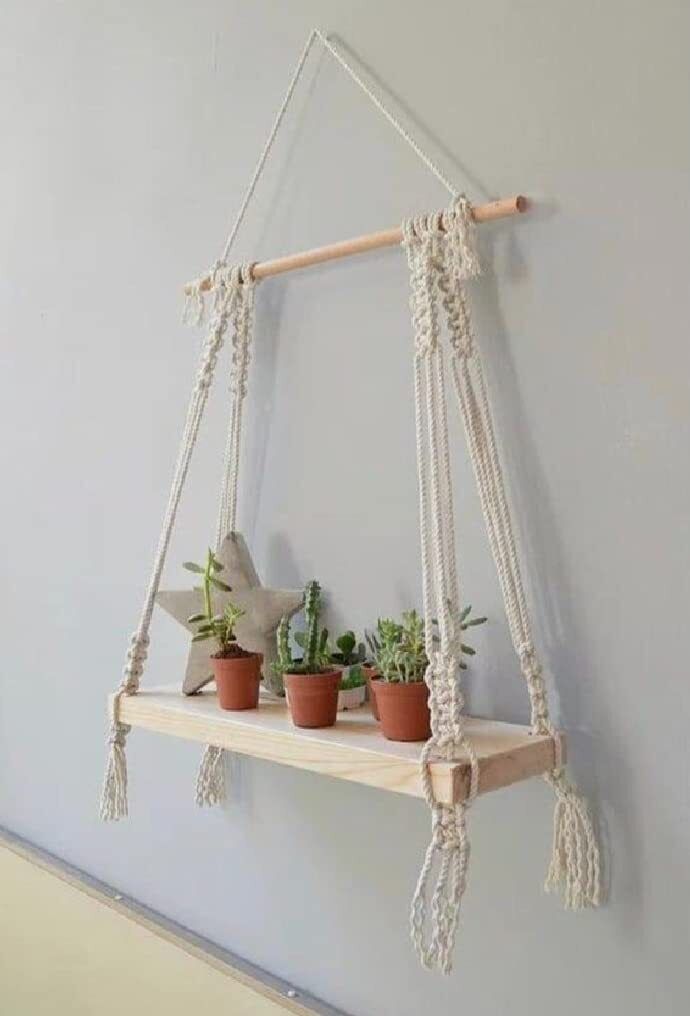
(352, 698)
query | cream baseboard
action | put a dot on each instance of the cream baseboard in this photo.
(69, 944)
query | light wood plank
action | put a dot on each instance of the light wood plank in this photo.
(352, 750)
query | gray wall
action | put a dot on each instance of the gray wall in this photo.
(129, 131)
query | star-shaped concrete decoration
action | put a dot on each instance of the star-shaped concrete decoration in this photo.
(255, 631)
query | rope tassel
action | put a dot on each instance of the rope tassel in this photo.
(449, 841)
(210, 781)
(575, 864)
(114, 793)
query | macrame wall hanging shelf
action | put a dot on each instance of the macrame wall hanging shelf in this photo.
(464, 757)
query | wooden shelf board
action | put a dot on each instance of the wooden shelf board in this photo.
(353, 750)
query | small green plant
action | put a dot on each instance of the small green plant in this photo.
(353, 677)
(348, 652)
(313, 640)
(398, 649)
(220, 627)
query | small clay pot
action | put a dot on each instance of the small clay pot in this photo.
(404, 710)
(313, 698)
(370, 674)
(237, 680)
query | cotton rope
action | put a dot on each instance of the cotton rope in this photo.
(210, 781)
(449, 844)
(228, 291)
(442, 256)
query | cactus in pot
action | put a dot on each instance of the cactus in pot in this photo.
(311, 683)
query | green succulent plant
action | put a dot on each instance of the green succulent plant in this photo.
(210, 625)
(353, 677)
(348, 651)
(313, 640)
(398, 649)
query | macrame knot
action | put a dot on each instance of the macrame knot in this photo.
(533, 674)
(193, 307)
(137, 653)
(118, 734)
(444, 829)
(461, 233)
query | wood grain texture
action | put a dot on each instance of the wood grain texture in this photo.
(352, 750)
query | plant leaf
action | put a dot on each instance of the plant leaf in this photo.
(475, 621)
(218, 584)
(191, 566)
(465, 613)
(469, 650)
(195, 618)
(202, 636)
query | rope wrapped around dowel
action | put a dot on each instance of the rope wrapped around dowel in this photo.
(228, 290)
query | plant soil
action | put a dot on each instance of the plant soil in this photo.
(232, 652)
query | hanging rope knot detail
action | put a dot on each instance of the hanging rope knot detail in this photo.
(445, 834)
(137, 653)
(118, 734)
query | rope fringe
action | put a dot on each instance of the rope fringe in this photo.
(210, 780)
(114, 793)
(575, 864)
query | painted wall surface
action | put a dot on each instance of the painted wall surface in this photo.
(129, 132)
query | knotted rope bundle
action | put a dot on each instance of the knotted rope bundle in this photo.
(232, 299)
(210, 781)
(442, 255)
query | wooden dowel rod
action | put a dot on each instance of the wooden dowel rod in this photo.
(370, 241)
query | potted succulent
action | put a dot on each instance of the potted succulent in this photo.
(237, 671)
(400, 690)
(347, 658)
(353, 687)
(369, 667)
(312, 683)
(349, 654)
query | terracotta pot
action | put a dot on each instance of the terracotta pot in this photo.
(404, 710)
(313, 698)
(370, 673)
(237, 680)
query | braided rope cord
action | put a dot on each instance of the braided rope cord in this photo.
(114, 805)
(434, 911)
(210, 780)
(442, 257)
(575, 860)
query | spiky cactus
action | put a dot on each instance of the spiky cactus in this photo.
(312, 607)
(312, 641)
(284, 659)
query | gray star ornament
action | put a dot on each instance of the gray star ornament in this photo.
(256, 630)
